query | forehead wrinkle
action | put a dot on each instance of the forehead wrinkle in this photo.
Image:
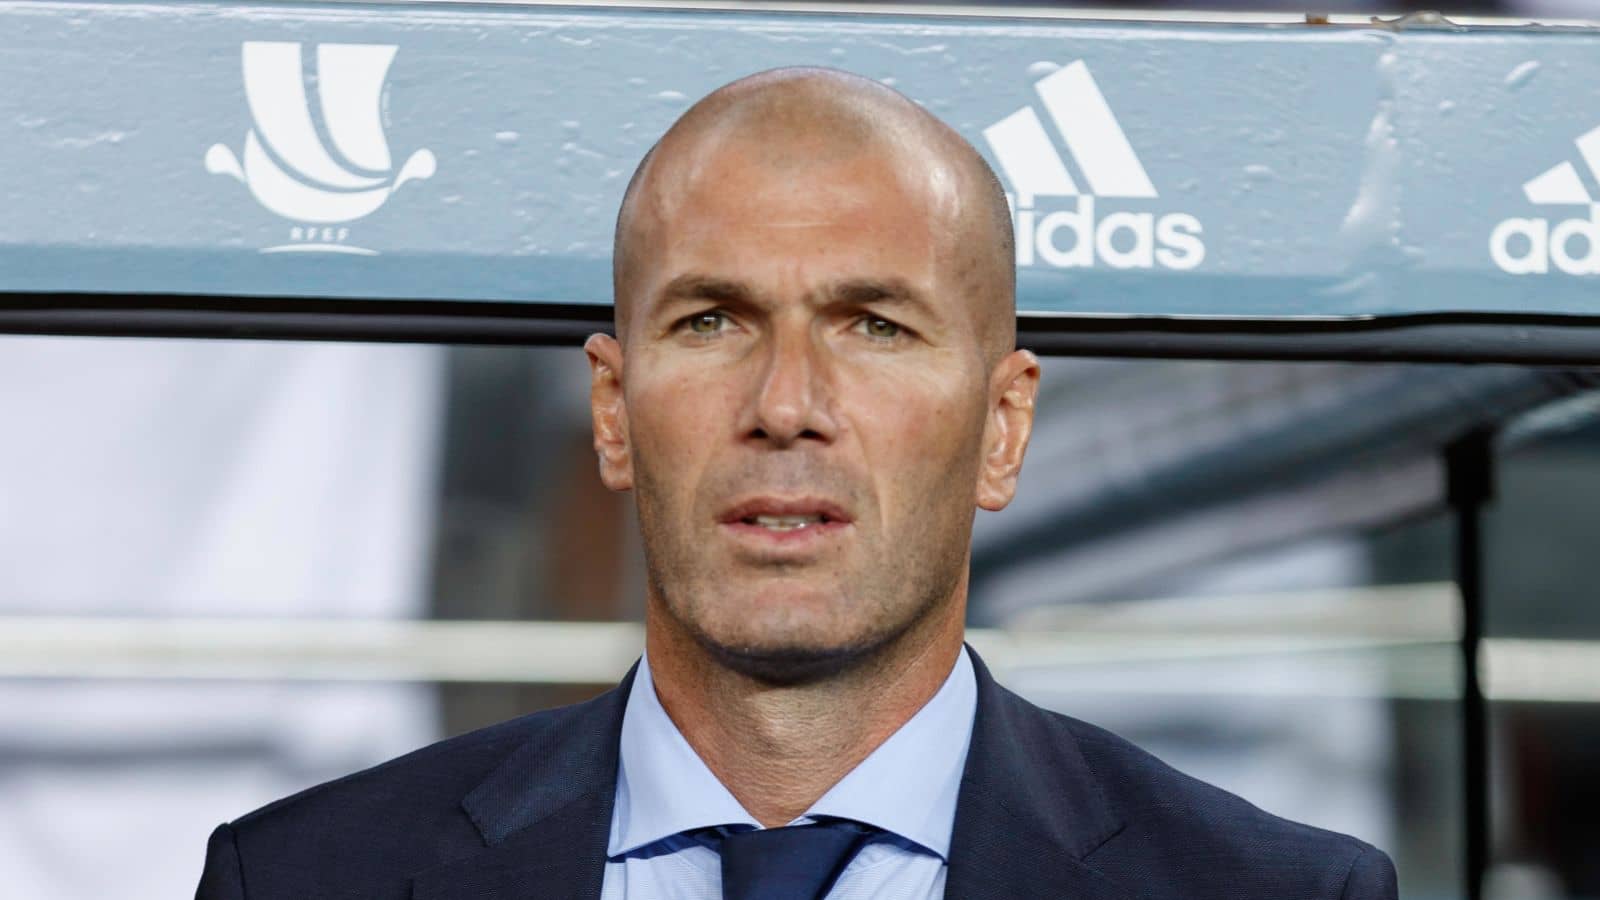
(820, 223)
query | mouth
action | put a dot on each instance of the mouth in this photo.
(788, 522)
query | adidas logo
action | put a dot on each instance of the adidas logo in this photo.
(1066, 234)
(321, 171)
(1532, 246)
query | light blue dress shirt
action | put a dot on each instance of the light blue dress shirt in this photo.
(907, 787)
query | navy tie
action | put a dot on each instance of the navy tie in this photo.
(797, 862)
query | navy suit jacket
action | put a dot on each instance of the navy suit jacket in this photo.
(1049, 807)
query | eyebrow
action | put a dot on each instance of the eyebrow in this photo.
(705, 287)
(862, 291)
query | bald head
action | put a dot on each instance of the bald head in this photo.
(786, 123)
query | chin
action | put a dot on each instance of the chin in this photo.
(790, 652)
(787, 631)
(786, 664)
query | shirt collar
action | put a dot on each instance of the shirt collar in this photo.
(907, 786)
(663, 787)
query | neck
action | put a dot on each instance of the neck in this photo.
(778, 749)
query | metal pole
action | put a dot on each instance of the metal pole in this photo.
(1469, 466)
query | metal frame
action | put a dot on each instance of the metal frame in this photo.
(1271, 197)
(1469, 468)
(1524, 339)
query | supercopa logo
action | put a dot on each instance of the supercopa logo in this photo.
(317, 177)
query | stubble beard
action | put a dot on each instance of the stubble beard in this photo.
(907, 593)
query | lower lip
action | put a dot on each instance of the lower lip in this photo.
(795, 538)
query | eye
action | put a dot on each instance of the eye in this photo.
(880, 328)
(706, 323)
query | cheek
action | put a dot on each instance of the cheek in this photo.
(920, 436)
(674, 419)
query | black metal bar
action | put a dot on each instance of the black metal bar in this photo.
(1470, 472)
(1466, 338)
(302, 318)
(1518, 338)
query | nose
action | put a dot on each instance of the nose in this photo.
(793, 398)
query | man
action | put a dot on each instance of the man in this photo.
(812, 386)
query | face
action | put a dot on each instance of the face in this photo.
(803, 405)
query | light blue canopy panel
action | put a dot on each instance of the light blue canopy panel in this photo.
(460, 152)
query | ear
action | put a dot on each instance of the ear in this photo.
(609, 411)
(1013, 388)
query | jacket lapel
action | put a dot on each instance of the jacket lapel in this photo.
(544, 814)
(1029, 809)
(1028, 812)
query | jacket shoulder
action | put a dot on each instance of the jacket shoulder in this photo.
(405, 781)
(367, 833)
(1183, 837)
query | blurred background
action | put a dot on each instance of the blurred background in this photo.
(236, 569)
(302, 559)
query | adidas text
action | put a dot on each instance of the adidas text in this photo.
(1071, 238)
(1062, 230)
(1534, 246)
